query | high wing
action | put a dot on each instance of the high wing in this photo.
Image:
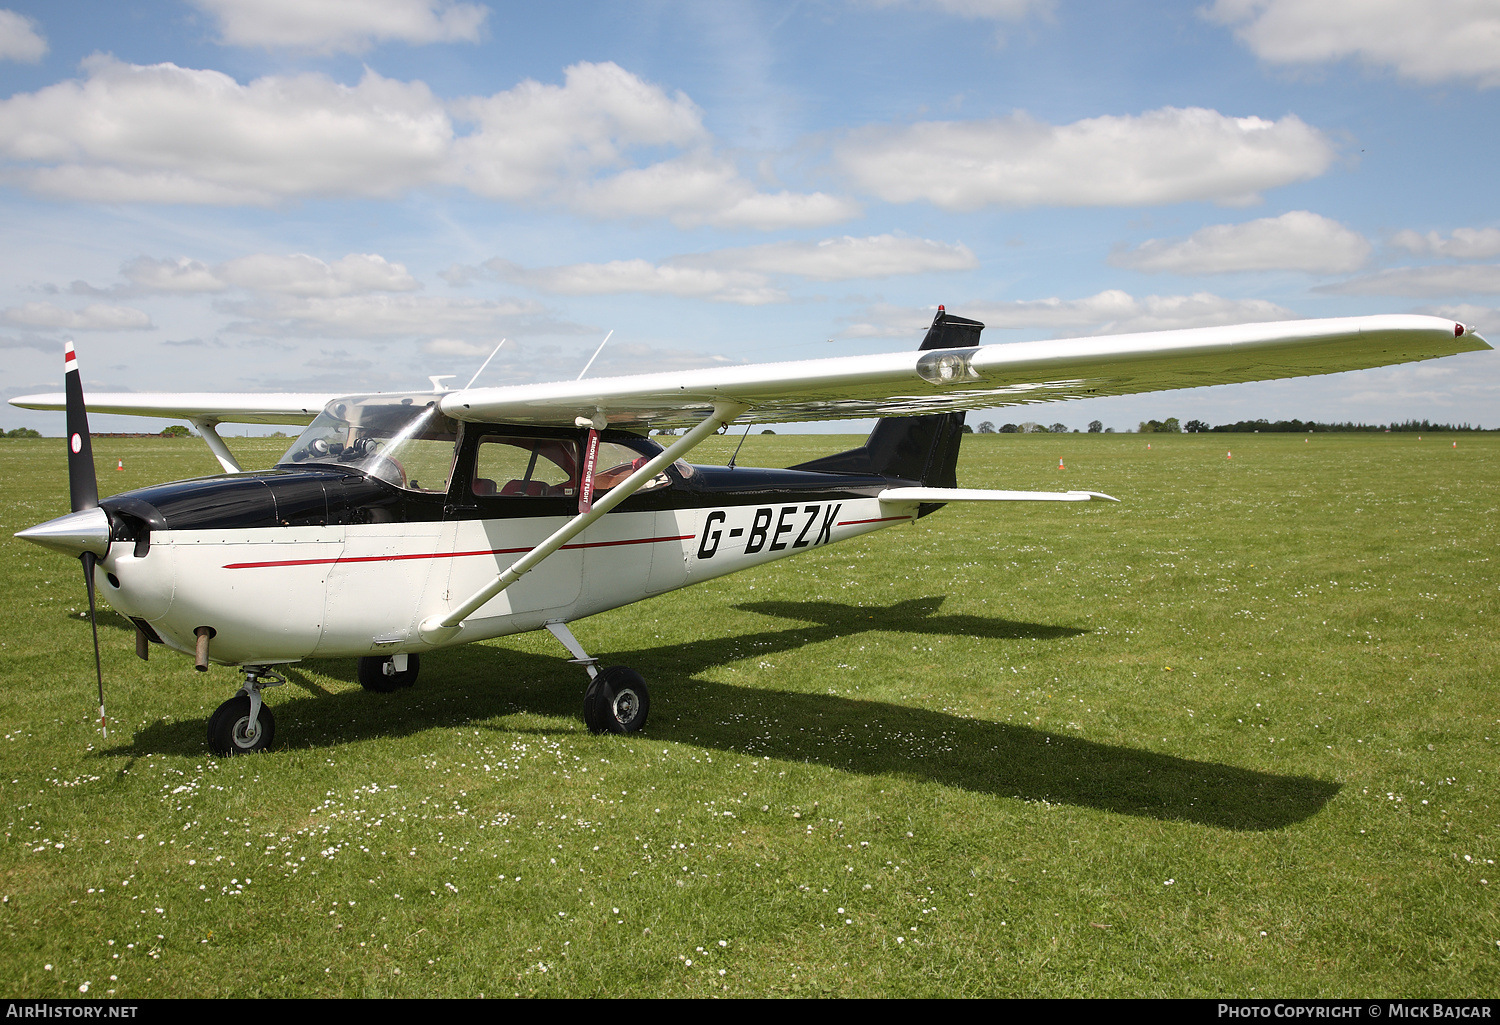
(944, 380)
(198, 407)
(888, 384)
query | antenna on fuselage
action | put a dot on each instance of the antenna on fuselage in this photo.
(595, 355)
(484, 364)
(739, 446)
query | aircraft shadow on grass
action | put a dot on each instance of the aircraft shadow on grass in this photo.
(472, 684)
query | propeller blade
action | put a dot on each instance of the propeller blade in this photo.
(88, 559)
(83, 489)
(82, 486)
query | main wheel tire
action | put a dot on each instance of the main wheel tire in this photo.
(616, 701)
(372, 673)
(229, 728)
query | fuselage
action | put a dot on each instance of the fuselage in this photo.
(326, 561)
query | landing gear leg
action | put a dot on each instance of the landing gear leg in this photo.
(243, 724)
(616, 700)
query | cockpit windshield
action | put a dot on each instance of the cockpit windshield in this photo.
(402, 439)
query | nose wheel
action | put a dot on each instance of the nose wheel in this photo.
(243, 724)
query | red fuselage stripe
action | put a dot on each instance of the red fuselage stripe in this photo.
(445, 555)
(883, 519)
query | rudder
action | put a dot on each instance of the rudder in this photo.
(923, 449)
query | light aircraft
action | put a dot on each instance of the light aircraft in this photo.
(399, 524)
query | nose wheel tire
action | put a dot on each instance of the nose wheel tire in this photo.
(616, 701)
(229, 730)
(378, 673)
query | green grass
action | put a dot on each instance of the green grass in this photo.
(1236, 736)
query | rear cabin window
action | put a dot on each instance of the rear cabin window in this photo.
(510, 467)
(526, 468)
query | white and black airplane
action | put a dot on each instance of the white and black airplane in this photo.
(398, 524)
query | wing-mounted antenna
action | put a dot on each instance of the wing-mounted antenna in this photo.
(484, 364)
(595, 355)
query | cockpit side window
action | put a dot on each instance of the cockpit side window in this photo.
(616, 462)
(512, 467)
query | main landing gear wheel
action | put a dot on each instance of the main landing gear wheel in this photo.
(616, 702)
(379, 674)
(229, 730)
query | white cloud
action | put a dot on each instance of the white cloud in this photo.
(703, 189)
(456, 347)
(529, 137)
(745, 275)
(1168, 155)
(1468, 313)
(1462, 244)
(1299, 240)
(297, 275)
(1425, 40)
(94, 317)
(19, 39)
(302, 275)
(371, 316)
(180, 275)
(742, 207)
(619, 276)
(166, 134)
(343, 25)
(842, 259)
(1108, 312)
(1424, 282)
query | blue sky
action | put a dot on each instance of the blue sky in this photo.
(341, 195)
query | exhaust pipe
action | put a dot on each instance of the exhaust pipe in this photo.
(200, 659)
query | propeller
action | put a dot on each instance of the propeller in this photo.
(83, 490)
(84, 532)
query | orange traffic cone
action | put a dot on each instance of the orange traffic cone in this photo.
(1060, 465)
(1228, 455)
(1148, 446)
(1455, 444)
(120, 465)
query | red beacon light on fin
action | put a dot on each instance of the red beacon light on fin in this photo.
(1458, 329)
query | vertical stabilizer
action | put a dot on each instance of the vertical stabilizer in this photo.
(923, 449)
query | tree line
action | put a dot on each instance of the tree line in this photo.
(1172, 425)
(988, 427)
(1263, 426)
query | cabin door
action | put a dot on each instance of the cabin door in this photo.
(513, 489)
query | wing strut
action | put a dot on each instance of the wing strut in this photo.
(216, 445)
(436, 629)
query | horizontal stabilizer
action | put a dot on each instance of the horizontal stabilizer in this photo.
(980, 495)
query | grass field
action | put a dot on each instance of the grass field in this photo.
(1235, 736)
